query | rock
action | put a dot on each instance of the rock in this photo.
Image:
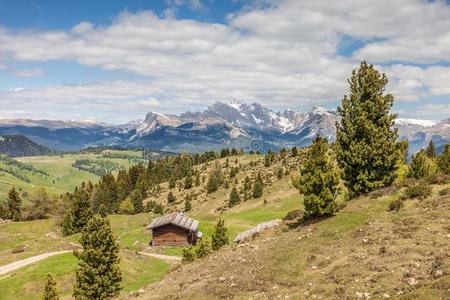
(386, 296)
(19, 249)
(222, 278)
(361, 295)
(412, 281)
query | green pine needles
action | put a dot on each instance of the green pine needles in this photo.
(50, 291)
(319, 180)
(98, 275)
(368, 147)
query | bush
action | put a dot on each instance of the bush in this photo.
(294, 215)
(188, 255)
(395, 205)
(203, 249)
(418, 191)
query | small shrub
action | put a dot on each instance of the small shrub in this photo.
(418, 191)
(396, 205)
(188, 255)
(294, 215)
(203, 249)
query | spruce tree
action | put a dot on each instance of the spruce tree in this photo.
(220, 236)
(98, 275)
(187, 205)
(421, 166)
(431, 150)
(247, 184)
(137, 199)
(318, 181)
(234, 197)
(202, 249)
(188, 181)
(123, 184)
(172, 182)
(171, 198)
(126, 207)
(50, 291)
(367, 145)
(14, 205)
(257, 189)
(79, 214)
(443, 161)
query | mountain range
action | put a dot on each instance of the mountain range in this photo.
(233, 124)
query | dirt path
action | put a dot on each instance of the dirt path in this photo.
(167, 258)
(27, 261)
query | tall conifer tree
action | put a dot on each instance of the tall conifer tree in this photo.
(368, 149)
(319, 180)
(50, 291)
(98, 275)
(14, 205)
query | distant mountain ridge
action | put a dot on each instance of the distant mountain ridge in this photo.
(19, 145)
(233, 124)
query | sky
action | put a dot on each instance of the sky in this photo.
(115, 60)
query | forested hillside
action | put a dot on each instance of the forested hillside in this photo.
(19, 145)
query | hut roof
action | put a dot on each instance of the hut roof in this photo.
(177, 219)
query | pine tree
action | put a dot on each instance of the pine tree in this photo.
(172, 182)
(202, 249)
(197, 179)
(367, 145)
(137, 200)
(443, 161)
(188, 181)
(431, 150)
(294, 151)
(79, 214)
(126, 207)
(267, 161)
(187, 205)
(50, 291)
(421, 165)
(188, 255)
(247, 184)
(319, 180)
(98, 275)
(123, 184)
(234, 198)
(258, 187)
(14, 205)
(220, 236)
(212, 184)
(171, 198)
(41, 205)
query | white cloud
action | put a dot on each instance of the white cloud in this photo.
(279, 53)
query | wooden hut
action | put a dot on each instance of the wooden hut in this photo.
(174, 229)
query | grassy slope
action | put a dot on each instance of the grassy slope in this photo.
(27, 283)
(60, 170)
(362, 249)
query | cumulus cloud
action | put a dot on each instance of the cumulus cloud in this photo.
(280, 53)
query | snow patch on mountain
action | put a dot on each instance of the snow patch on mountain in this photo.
(424, 123)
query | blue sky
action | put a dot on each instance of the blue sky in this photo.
(115, 60)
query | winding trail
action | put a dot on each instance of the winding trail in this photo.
(166, 258)
(28, 261)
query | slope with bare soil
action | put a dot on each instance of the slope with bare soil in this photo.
(364, 251)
